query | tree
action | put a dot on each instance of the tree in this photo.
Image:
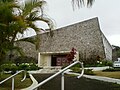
(116, 52)
(80, 3)
(16, 19)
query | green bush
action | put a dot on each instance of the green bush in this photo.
(107, 63)
(99, 64)
(28, 66)
(88, 72)
(5, 67)
(76, 69)
(33, 67)
(111, 69)
(9, 67)
(25, 59)
(23, 66)
(13, 67)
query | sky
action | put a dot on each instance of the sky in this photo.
(107, 11)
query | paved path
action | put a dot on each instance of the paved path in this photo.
(73, 83)
(101, 78)
(106, 79)
(97, 68)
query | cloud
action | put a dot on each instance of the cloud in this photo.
(114, 39)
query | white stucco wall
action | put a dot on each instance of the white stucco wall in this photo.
(44, 58)
(107, 48)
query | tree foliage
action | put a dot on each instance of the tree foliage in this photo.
(16, 18)
(116, 52)
(80, 3)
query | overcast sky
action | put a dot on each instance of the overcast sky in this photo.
(107, 12)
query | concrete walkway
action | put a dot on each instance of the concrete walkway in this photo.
(101, 78)
(106, 79)
(97, 68)
(43, 71)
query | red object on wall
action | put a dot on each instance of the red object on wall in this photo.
(61, 61)
(71, 55)
(58, 63)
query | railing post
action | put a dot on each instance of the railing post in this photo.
(62, 81)
(13, 83)
(12, 77)
(60, 72)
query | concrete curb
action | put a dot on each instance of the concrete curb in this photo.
(101, 78)
(33, 84)
(97, 68)
(106, 79)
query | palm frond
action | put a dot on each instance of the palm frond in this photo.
(31, 40)
(34, 40)
(90, 3)
(32, 5)
(80, 3)
(19, 50)
(48, 21)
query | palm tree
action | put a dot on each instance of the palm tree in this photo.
(80, 3)
(16, 19)
(6, 17)
(31, 12)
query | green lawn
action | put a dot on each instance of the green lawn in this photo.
(115, 74)
(18, 84)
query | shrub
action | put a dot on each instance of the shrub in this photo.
(13, 67)
(25, 59)
(5, 67)
(33, 67)
(111, 69)
(99, 63)
(28, 66)
(76, 69)
(9, 67)
(23, 66)
(88, 72)
(107, 63)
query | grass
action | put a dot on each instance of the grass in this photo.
(115, 74)
(18, 84)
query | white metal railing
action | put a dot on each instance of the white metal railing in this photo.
(62, 78)
(12, 77)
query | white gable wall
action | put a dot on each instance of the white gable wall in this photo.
(107, 48)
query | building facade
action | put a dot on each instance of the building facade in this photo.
(86, 37)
